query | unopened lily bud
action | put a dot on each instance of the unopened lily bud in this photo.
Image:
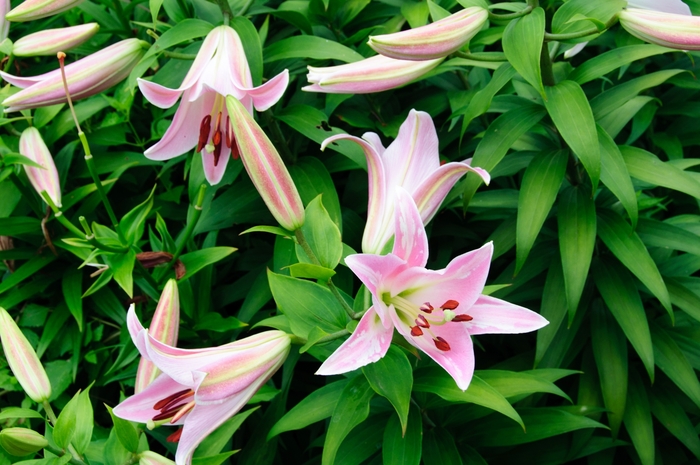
(164, 328)
(151, 458)
(30, 10)
(87, 76)
(375, 74)
(4, 23)
(22, 441)
(434, 40)
(32, 146)
(51, 41)
(24, 363)
(667, 29)
(265, 167)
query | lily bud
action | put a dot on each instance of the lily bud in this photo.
(24, 363)
(87, 76)
(32, 146)
(4, 23)
(374, 74)
(22, 441)
(51, 41)
(435, 40)
(164, 327)
(151, 458)
(30, 10)
(666, 29)
(265, 167)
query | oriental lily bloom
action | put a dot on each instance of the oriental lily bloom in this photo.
(436, 311)
(375, 74)
(435, 40)
(412, 162)
(220, 69)
(200, 388)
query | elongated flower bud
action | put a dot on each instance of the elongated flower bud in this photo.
(51, 41)
(667, 29)
(375, 74)
(435, 40)
(164, 327)
(4, 23)
(32, 146)
(30, 10)
(88, 76)
(22, 441)
(151, 458)
(265, 167)
(24, 363)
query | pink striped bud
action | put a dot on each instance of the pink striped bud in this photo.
(32, 146)
(667, 29)
(4, 23)
(30, 10)
(164, 327)
(51, 41)
(375, 74)
(435, 40)
(265, 167)
(24, 363)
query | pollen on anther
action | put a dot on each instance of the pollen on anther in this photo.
(422, 322)
(426, 307)
(463, 317)
(416, 331)
(450, 305)
(204, 130)
(441, 344)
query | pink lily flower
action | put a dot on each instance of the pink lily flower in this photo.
(165, 326)
(51, 41)
(87, 76)
(435, 40)
(44, 179)
(666, 29)
(200, 388)
(412, 162)
(436, 311)
(375, 74)
(220, 69)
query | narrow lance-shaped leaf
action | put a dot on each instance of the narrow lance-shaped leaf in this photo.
(674, 418)
(638, 420)
(553, 308)
(392, 377)
(403, 446)
(614, 174)
(674, 364)
(522, 44)
(647, 167)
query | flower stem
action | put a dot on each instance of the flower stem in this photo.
(517, 14)
(301, 240)
(90, 237)
(179, 56)
(245, 8)
(348, 309)
(485, 56)
(548, 37)
(192, 223)
(61, 453)
(49, 412)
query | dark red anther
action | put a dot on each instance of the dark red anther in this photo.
(462, 317)
(164, 402)
(416, 331)
(177, 402)
(422, 322)
(204, 130)
(441, 344)
(450, 305)
(216, 140)
(164, 415)
(229, 139)
(175, 437)
(426, 307)
(235, 153)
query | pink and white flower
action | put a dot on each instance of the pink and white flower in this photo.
(202, 120)
(666, 29)
(200, 388)
(44, 179)
(436, 311)
(412, 161)
(51, 41)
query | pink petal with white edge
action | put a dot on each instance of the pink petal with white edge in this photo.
(158, 95)
(23, 82)
(137, 331)
(376, 143)
(458, 361)
(139, 407)
(462, 280)
(433, 189)
(366, 345)
(204, 56)
(411, 242)
(667, 6)
(269, 93)
(496, 316)
(375, 269)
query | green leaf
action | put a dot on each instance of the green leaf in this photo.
(307, 270)
(306, 304)
(638, 421)
(522, 44)
(569, 109)
(72, 293)
(613, 59)
(315, 407)
(577, 233)
(674, 364)
(268, 229)
(647, 167)
(684, 298)
(215, 322)
(403, 446)
(66, 424)
(616, 120)
(195, 261)
(154, 7)
(351, 410)
(438, 382)
(126, 432)
(622, 298)
(439, 448)
(312, 178)
(610, 352)
(512, 384)
(553, 308)
(18, 225)
(481, 101)
(114, 453)
(132, 224)
(17, 412)
(600, 11)
(217, 459)
(658, 234)
(322, 235)
(615, 176)
(541, 182)
(215, 442)
(310, 47)
(31, 267)
(122, 267)
(672, 415)
(392, 377)
(619, 237)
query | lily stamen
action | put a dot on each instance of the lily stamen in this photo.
(175, 437)
(441, 344)
(204, 130)
(163, 403)
(187, 407)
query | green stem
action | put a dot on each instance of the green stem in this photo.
(548, 37)
(225, 10)
(90, 237)
(192, 223)
(485, 56)
(533, 3)
(147, 276)
(348, 309)
(49, 412)
(179, 56)
(61, 453)
(507, 16)
(8, 65)
(245, 7)
(546, 67)
(122, 18)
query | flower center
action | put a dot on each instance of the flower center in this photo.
(415, 317)
(215, 144)
(174, 406)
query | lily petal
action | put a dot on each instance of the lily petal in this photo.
(666, 6)
(373, 269)
(269, 93)
(411, 242)
(158, 95)
(366, 345)
(139, 407)
(496, 316)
